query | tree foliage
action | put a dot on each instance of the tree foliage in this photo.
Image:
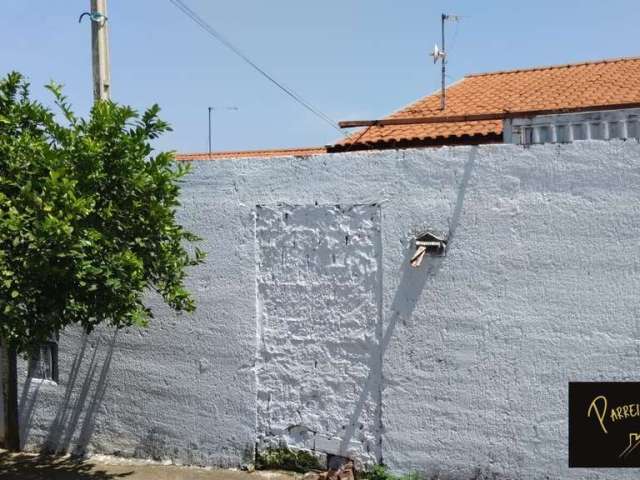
(87, 217)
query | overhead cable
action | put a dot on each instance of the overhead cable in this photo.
(179, 4)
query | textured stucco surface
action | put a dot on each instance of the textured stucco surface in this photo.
(185, 387)
(470, 362)
(319, 320)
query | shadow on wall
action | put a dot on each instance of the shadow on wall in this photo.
(412, 283)
(76, 413)
(44, 468)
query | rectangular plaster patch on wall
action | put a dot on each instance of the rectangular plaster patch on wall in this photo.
(319, 327)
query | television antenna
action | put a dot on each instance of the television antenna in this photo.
(440, 54)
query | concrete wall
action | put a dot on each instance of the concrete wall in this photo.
(458, 369)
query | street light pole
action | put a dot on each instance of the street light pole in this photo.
(211, 110)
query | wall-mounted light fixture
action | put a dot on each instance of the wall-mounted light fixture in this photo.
(429, 244)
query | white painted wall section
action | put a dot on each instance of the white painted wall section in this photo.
(319, 300)
(458, 369)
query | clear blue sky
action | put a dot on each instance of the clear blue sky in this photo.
(353, 59)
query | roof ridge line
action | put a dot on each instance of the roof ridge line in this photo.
(556, 66)
(224, 152)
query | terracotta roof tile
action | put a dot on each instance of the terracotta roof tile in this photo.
(551, 88)
(283, 152)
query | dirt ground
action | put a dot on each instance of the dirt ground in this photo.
(32, 467)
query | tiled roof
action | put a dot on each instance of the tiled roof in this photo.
(283, 152)
(551, 88)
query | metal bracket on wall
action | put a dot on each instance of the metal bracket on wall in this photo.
(429, 244)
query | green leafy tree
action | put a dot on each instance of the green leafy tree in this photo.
(87, 223)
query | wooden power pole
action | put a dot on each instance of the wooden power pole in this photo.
(100, 51)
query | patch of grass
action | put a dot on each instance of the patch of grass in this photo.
(282, 458)
(380, 472)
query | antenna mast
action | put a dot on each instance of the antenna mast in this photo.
(440, 54)
(444, 64)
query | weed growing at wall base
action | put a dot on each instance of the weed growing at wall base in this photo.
(282, 458)
(380, 472)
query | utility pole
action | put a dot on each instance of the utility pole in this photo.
(100, 50)
(211, 110)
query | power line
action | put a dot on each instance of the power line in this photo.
(215, 34)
